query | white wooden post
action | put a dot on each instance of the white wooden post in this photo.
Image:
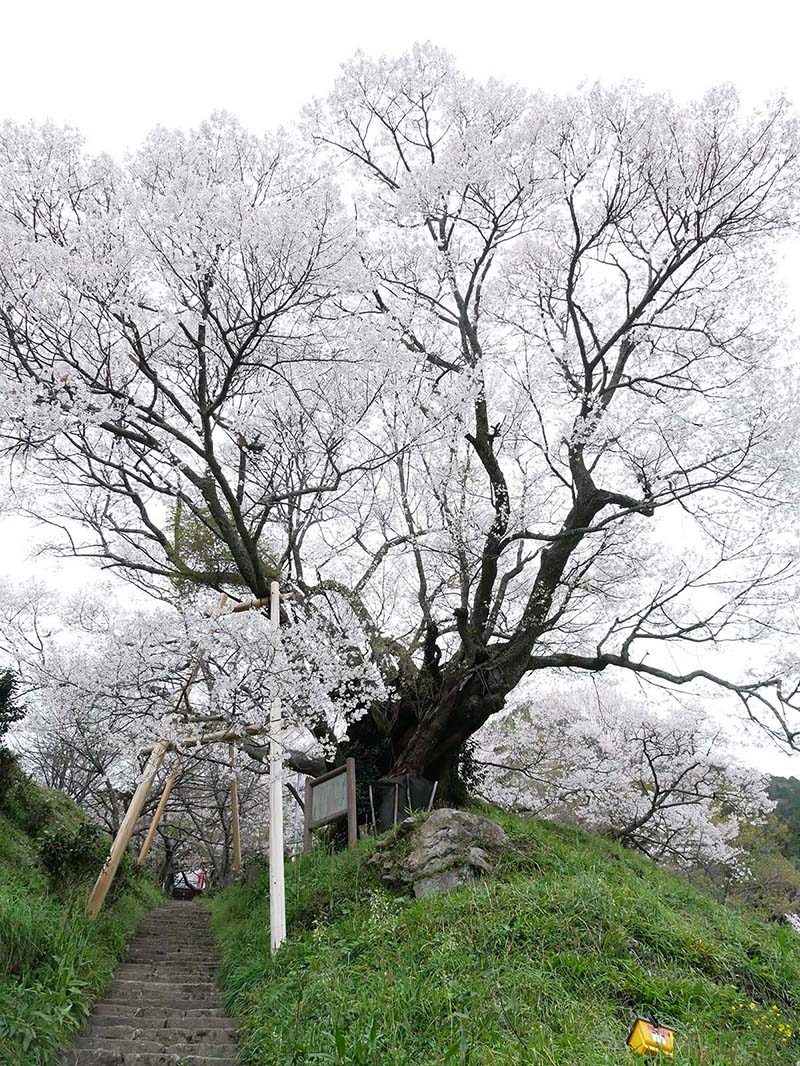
(236, 866)
(277, 892)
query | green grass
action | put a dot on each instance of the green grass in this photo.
(546, 964)
(53, 963)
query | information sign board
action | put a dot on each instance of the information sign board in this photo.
(330, 797)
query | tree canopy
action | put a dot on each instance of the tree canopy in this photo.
(498, 382)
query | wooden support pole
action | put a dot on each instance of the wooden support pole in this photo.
(308, 839)
(352, 817)
(237, 842)
(162, 803)
(277, 891)
(254, 605)
(124, 833)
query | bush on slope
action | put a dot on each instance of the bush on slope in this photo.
(53, 963)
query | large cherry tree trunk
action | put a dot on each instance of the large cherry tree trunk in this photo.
(433, 715)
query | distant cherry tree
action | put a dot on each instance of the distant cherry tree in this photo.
(664, 781)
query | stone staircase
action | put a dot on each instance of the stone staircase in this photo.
(162, 1008)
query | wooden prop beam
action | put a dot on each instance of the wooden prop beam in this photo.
(124, 833)
(237, 840)
(223, 736)
(251, 605)
(162, 803)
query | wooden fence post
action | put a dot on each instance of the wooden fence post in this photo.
(308, 840)
(124, 834)
(352, 817)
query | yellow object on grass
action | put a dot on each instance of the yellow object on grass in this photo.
(647, 1038)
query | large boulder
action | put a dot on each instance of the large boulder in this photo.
(449, 848)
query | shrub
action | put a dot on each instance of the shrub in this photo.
(9, 712)
(9, 772)
(71, 854)
(28, 806)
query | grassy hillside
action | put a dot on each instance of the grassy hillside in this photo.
(53, 963)
(545, 964)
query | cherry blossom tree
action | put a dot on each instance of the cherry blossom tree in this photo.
(90, 669)
(664, 781)
(496, 382)
(102, 683)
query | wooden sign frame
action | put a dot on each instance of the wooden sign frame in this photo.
(349, 811)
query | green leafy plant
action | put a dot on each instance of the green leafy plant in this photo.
(53, 962)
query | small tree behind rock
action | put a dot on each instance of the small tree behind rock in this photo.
(9, 712)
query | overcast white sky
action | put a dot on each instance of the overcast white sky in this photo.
(115, 70)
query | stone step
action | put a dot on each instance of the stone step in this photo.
(136, 986)
(155, 1014)
(207, 951)
(209, 1033)
(172, 962)
(181, 951)
(173, 925)
(180, 910)
(174, 929)
(190, 948)
(168, 925)
(154, 975)
(163, 920)
(202, 938)
(160, 944)
(195, 951)
(159, 918)
(132, 969)
(192, 918)
(137, 1045)
(171, 1001)
(174, 921)
(189, 916)
(186, 905)
(109, 1057)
